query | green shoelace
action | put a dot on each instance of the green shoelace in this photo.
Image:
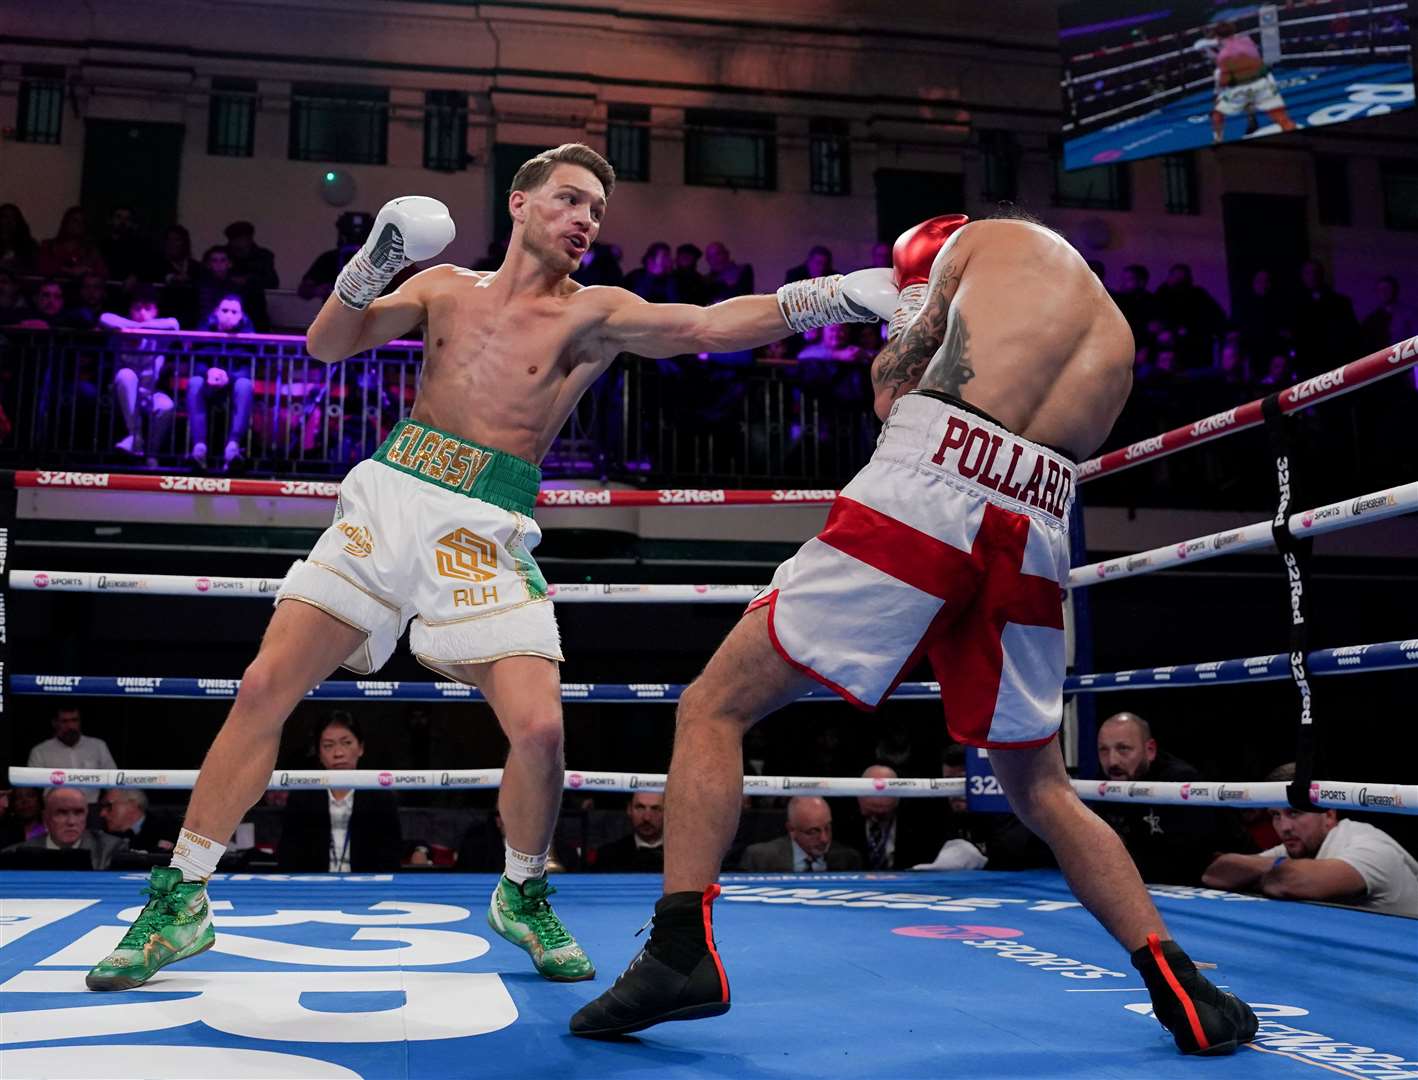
(149, 920)
(550, 932)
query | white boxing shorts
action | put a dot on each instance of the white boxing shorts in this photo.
(436, 530)
(950, 545)
(1260, 94)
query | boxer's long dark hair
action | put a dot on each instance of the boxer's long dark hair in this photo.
(1008, 211)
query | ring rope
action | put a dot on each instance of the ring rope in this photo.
(1345, 660)
(1346, 513)
(129, 584)
(1336, 794)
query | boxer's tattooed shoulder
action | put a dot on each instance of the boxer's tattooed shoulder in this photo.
(950, 369)
(900, 365)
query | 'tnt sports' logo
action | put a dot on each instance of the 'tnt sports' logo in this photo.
(466, 556)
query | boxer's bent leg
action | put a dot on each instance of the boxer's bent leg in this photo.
(1202, 1018)
(525, 694)
(678, 975)
(302, 646)
(743, 682)
(1098, 868)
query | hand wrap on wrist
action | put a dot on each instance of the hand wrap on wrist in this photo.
(819, 302)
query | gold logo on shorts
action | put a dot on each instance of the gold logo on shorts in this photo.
(361, 541)
(466, 556)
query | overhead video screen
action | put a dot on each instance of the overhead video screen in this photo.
(1141, 79)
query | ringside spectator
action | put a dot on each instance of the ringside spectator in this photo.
(213, 378)
(654, 279)
(126, 815)
(18, 250)
(66, 813)
(817, 264)
(340, 830)
(1326, 329)
(807, 847)
(140, 368)
(727, 278)
(1170, 844)
(642, 850)
(1390, 322)
(253, 271)
(71, 251)
(1322, 856)
(69, 748)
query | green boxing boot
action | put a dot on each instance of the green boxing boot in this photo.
(524, 917)
(176, 923)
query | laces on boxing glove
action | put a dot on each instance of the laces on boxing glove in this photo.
(370, 269)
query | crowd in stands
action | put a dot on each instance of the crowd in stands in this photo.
(1193, 357)
(1284, 854)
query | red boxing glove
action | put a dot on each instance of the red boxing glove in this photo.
(911, 258)
(916, 248)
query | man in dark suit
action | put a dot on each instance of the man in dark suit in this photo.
(66, 812)
(807, 848)
(125, 814)
(643, 850)
(888, 839)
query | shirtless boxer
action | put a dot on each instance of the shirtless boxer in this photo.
(437, 527)
(951, 544)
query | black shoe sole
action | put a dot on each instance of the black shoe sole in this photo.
(1215, 1049)
(689, 1012)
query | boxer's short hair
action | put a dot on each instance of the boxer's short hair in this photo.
(535, 171)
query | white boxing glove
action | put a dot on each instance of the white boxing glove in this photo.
(408, 229)
(861, 296)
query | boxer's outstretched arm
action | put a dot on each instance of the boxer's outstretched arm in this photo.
(661, 330)
(339, 331)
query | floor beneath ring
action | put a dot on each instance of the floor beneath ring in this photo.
(834, 975)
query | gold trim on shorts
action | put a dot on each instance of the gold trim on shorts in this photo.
(345, 577)
(429, 662)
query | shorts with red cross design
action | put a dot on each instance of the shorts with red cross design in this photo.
(950, 545)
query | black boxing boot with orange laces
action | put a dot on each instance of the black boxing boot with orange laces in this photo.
(676, 976)
(1201, 1018)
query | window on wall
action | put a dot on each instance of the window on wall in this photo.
(1000, 155)
(331, 122)
(445, 130)
(1102, 187)
(724, 148)
(1179, 187)
(1332, 190)
(628, 141)
(41, 112)
(231, 118)
(830, 155)
(1400, 187)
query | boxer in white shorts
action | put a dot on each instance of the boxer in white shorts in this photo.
(437, 527)
(952, 545)
(1243, 82)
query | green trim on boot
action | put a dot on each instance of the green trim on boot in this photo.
(524, 917)
(175, 923)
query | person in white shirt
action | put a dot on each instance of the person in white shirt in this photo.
(1324, 857)
(70, 748)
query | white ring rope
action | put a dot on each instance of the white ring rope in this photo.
(1344, 514)
(1331, 794)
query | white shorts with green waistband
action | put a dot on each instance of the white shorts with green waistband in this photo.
(401, 549)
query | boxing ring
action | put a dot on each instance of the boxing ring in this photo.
(851, 975)
(1154, 94)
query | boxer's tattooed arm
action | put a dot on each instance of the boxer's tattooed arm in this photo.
(950, 369)
(899, 366)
